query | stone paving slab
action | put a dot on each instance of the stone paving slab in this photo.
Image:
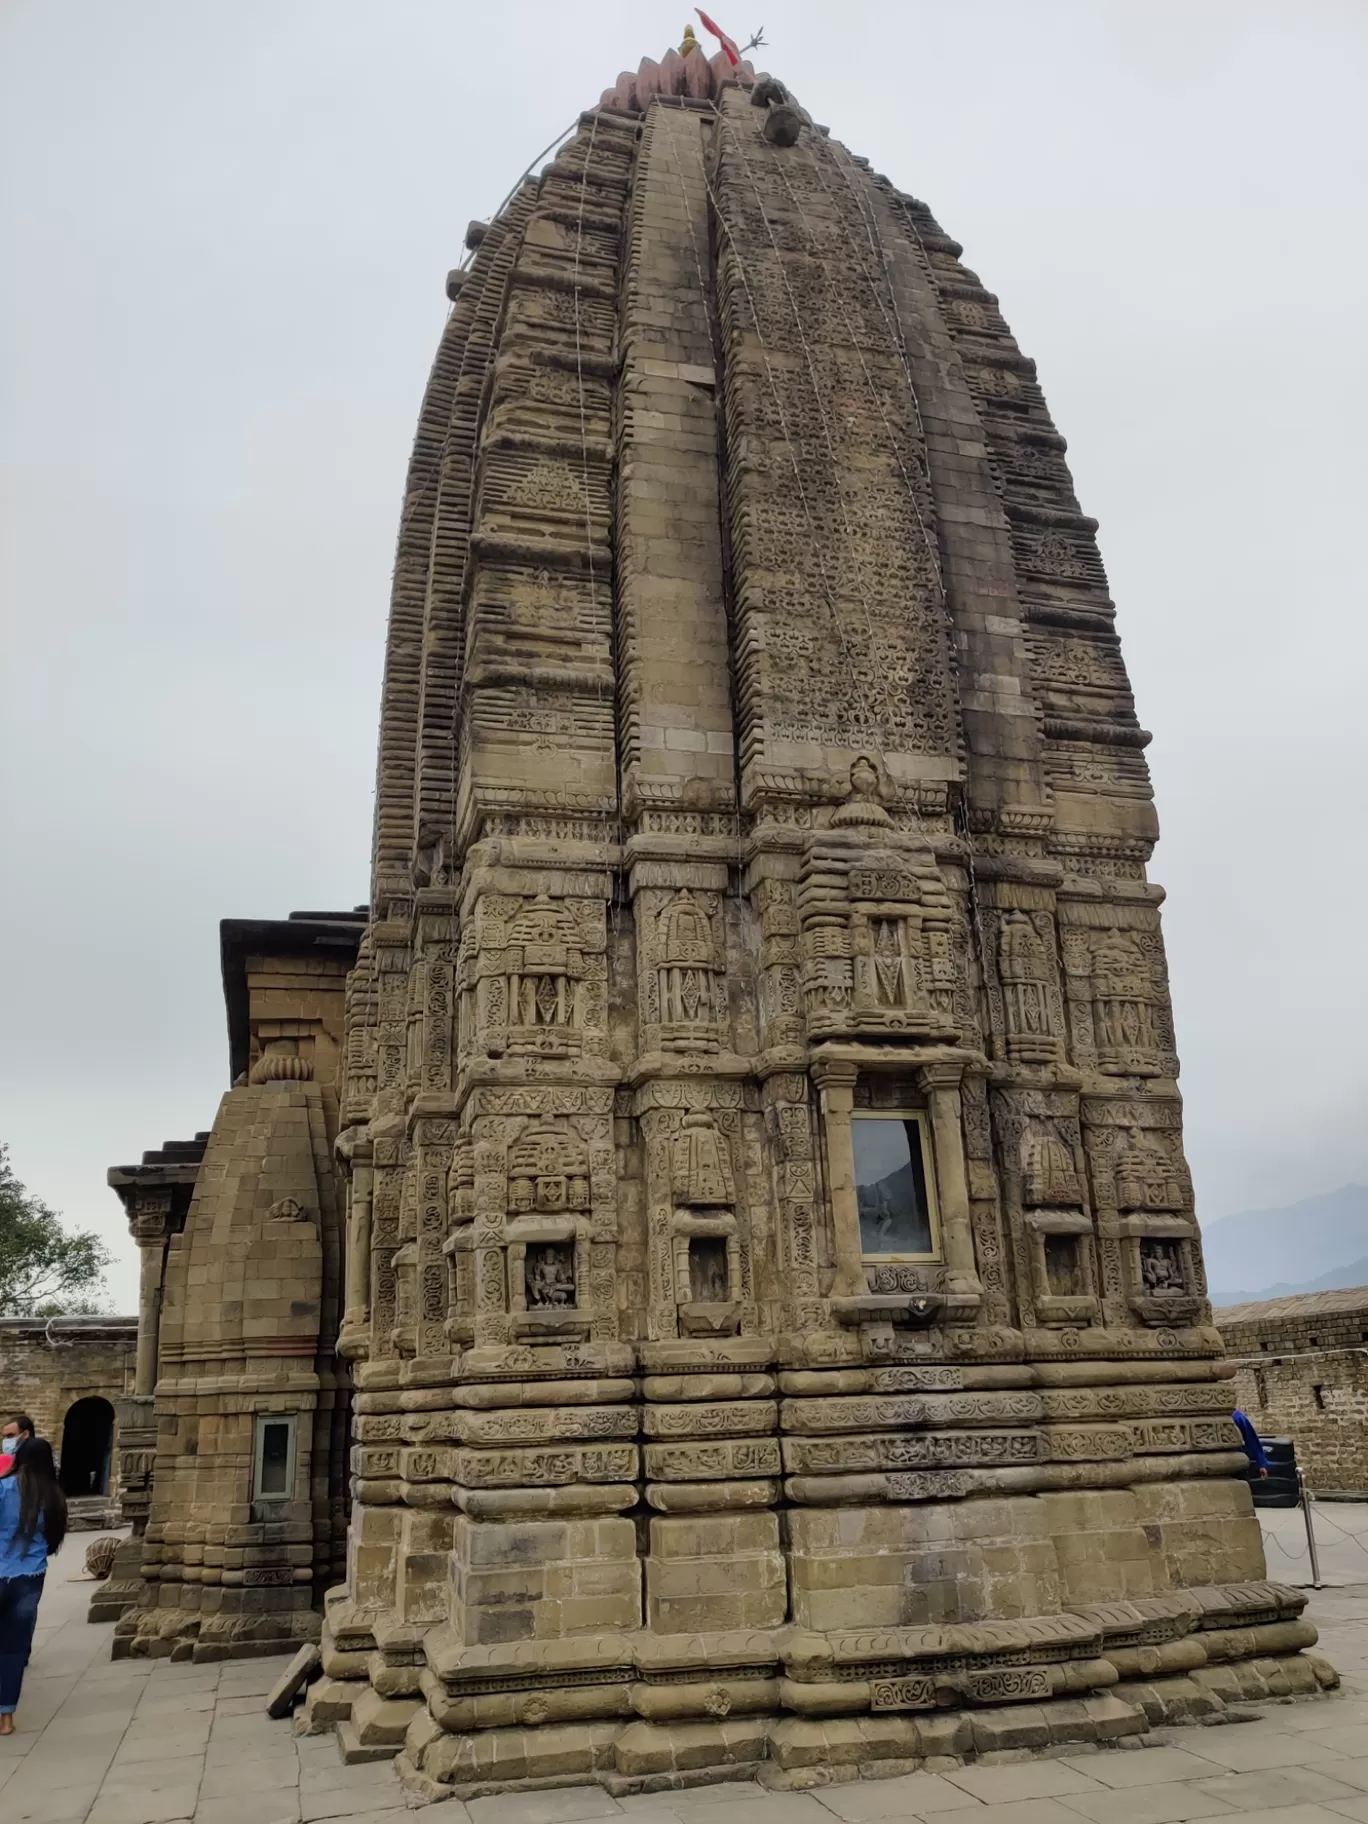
(142, 1742)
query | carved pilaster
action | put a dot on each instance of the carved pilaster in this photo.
(941, 1083)
(836, 1086)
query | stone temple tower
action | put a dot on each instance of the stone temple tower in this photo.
(772, 1286)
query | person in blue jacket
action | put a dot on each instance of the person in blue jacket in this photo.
(33, 1524)
(1254, 1450)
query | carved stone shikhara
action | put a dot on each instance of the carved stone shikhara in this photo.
(772, 1288)
(758, 763)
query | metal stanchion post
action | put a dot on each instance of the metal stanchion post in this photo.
(1310, 1531)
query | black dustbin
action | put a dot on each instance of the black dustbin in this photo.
(1279, 1487)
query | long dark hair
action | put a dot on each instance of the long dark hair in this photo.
(41, 1501)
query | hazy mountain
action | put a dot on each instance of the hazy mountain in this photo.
(1337, 1279)
(1312, 1246)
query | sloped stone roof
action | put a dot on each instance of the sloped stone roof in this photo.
(1301, 1304)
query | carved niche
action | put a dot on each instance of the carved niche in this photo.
(705, 1243)
(405, 1264)
(1059, 1229)
(876, 925)
(1029, 995)
(1124, 997)
(1153, 1200)
(532, 975)
(547, 1229)
(1118, 998)
(458, 1247)
(1147, 1176)
(684, 986)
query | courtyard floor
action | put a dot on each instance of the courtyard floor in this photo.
(143, 1742)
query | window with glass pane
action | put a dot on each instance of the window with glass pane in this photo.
(890, 1186)
(275, 1459)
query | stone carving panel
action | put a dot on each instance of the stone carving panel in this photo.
(532, 976)
(682, 981)
(876, 926)
(1117, 991)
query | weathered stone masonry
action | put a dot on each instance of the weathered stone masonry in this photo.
(773, 1291)
(746, 1180)
(1302, 1371)
(69, 1374)
(239, 1233)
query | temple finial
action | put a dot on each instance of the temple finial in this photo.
(689, 43)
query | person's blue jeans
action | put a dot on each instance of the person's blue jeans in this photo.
(18, 1618)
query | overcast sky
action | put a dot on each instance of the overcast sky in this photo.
(224, 231)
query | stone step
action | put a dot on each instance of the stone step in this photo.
(354, 1750)
(382, 1722)
(327, 1703)
(93, 1513)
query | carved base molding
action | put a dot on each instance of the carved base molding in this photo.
(203, 1638)
(793, 1707)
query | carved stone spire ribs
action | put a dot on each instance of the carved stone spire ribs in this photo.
(675, 710)
(444, 629)
(1092, 744)
(538, 662)
(841, 644)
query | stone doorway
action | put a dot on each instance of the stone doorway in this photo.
(87, 1447)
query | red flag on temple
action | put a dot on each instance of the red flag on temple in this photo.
(728, 44)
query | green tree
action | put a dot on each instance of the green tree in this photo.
(44, 1271)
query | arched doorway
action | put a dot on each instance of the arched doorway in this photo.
(87, 1447)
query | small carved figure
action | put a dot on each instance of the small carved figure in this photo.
(1161, 1267)
(888, 963)
(549, 1276)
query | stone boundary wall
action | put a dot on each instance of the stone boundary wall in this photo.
(46, 1366)
(1302, 1372)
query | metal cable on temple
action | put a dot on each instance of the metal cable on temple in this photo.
(616, 899)
(453, 747)
(545, 152)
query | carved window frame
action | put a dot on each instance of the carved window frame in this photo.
(920, 1117)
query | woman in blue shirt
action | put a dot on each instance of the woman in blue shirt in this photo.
(33, 1522)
